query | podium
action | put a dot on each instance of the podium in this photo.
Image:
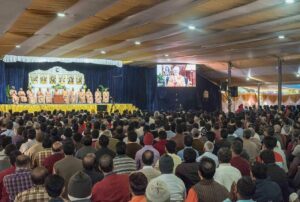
(58, 99)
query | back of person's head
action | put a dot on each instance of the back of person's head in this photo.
(138, 183)
(208, 146)
(121, 148)
(4, 141)
(270, 131)
(10, 125)
(31, 133)
(195, 132)
(210, 136)
(13, 156)
(57, 146)
(247, 133)
(245, 188)
(54, 185)
(224, 155)
(103, 141)
(179, 128)
(148, 158)
(132, 136)
(259, 170)
(87, 140)
(80, 186)
(207, 168)
(106, 163)
(157, 191)
(47, 143)
(189, 155)
(270, 142)
(171, 146)
(162, 135)
(166, 164)
(224, 133)
(188, 140)
(237, 147)
(95, 134)
(9, 148)
(69, 148)
(88, 161)
(267, 156)
(38, 175)
(77, 137)
(22, 161)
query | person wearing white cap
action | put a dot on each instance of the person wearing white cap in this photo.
(157, 191)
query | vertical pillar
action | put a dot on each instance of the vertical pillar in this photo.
(228, 87)
(279, 95)
(258, 94)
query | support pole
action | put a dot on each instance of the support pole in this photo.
(258, 95)
(228, 87)
(279, 83)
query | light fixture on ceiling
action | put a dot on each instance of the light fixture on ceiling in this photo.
(18, 46)
(168, 59)
(137, 43)
(103, 52)
(289, 1)
(192, 27)
(281, 37)
(248, 78)
(61, 15)
(298, 75)
(166, 55)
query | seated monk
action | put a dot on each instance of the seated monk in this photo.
(98, 98)
(48, 96)
(106, 96)
(81, 97)
(22, 96)
(40, 97)
(89, 96)
(65, 96)
(14, 96)
(72, 96)
(30, 96)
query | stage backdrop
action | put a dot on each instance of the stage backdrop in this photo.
(136, 85)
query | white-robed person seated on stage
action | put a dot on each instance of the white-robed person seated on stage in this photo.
(40, 97)
(89, 97)
(72, 96)
(81, 97)
(98, 97)
(22, 96)
(105, 97)
(48, 95)
(65, 94)
(14, 96)
(31, 97)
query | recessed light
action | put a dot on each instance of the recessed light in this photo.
(192, 27)
(298, 75)
(289, 1)
(103, 52)
(281, 37)
(18, 46)
(166, 55)
(61, 15)
(137, 43)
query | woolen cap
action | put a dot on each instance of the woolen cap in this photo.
(157, 191)
(80, 185)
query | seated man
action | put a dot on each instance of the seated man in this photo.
(114, 187)
(40, 97)
(98, 98)
(48, 96)
(14, 95)
(31, 97)
(89, 97)
(22, 96)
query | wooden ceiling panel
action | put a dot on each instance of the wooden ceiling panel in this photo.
(264, 15)
(53, 6)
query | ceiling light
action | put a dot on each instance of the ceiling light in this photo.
(103, 52)
(18, 46)
(289, 1)
(192, 27)
(166, 55)
(248, 78)
(137, 43)
(168, 59)
(281, 37)
(298, 75)
(61, 15)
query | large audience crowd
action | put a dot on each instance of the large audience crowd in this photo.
(250, 155)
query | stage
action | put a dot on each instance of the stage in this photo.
(66, 107)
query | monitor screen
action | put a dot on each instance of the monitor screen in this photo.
(176, 75)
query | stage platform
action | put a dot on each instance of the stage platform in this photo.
(66, 107)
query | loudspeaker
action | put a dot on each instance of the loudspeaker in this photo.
(234, 91)
(224, 86)
(101, 108)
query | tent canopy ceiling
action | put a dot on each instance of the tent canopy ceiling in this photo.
(243, 32)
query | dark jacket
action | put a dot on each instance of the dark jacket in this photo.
(267, 190)
(188, 173)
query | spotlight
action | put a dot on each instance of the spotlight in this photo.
(289, 1)
(281, 37)
(18, 46)
(103, 52)
(166, 55)
(137, 43)
(192, 27)
(61, 15)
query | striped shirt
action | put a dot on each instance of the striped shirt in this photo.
(34, 194)
(124, 165)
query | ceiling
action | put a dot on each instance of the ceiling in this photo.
(208, 32)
